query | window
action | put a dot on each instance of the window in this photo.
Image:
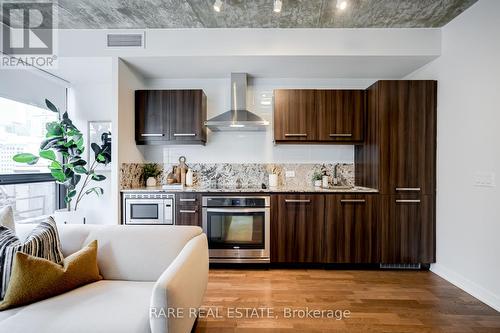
(29, 189)
(22, 128)
(30, 201)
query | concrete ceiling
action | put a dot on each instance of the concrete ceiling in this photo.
(142, 14)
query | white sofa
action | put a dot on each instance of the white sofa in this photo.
(143, 268)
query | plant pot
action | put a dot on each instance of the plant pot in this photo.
(63, 216)
(317, 183)
(151, 182)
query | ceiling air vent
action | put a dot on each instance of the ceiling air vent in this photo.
(126, 40)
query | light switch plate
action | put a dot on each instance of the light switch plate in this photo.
(486, 179)
(289, 173)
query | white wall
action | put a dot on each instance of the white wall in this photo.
(87, 102)
(128, 81)
(247, 147)
(90, 97)
(468, 217)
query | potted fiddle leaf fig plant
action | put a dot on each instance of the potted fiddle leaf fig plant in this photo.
(63, 147)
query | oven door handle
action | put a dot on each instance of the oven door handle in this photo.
(236, 210)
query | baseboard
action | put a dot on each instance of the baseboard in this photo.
(467, 285)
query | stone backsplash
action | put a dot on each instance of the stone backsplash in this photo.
(245, 175)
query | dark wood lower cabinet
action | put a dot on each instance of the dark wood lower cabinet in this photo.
(188, 209)
(408, 229)
(351, 228)
(297, 228)
(188, 216)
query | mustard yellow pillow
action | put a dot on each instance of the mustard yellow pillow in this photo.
(34, 279)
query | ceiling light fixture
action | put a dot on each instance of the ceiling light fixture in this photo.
(217, 5)
(277, 6)
(341, 4)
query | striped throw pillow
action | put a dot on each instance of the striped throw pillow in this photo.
(42, 242)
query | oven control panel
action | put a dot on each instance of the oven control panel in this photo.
(224, 201)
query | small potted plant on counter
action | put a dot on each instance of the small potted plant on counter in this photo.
(317, 178)
(62, 148)
(150, 172)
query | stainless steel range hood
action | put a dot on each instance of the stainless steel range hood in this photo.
(238, 118)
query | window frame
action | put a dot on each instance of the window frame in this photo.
(24, 178)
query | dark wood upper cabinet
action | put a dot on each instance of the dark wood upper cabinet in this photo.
(341, 115)
(188, 114)
(151, 117)
(351, 229)
(399, 154)
(319, 116)
(170, 116)
(295, 115)
(408, 229)
(297, 228)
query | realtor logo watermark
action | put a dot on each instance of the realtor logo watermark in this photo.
(28, 35)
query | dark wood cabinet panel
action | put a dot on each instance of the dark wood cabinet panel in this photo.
(188, 215)
(408, 123)
(319, 116)
(188, 114)
(188, 209)
(399, 154)
(341, 115)
(151, 115)
(408, 229)
(170, 116)
(297, 228)
(399, 158)
(351, 229)
(367, 155)
(295, 116)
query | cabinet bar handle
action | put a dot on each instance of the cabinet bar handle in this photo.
(187, 200)
(340, 134)
(296, 134)
(184, 134)
(152, 134)
(408, 201)
(187, 211)
(353, 201)
(297, 201)
(408, 189)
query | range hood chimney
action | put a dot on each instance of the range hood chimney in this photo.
(238, 118)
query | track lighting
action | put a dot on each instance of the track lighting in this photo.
(217, 5)
(341, 4)
(277, 6)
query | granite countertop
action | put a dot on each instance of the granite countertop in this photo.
(339, 189)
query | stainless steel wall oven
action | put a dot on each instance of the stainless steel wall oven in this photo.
(237, 228)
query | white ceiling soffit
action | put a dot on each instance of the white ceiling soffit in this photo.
(379, 67)
(256, 42)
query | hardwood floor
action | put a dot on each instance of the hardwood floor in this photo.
(378, 301)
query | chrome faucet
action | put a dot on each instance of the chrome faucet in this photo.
(335, 175)
(335, 170)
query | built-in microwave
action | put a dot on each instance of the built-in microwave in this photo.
(149, 208)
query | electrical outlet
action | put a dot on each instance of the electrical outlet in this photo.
(485, 179)
(289, 173)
